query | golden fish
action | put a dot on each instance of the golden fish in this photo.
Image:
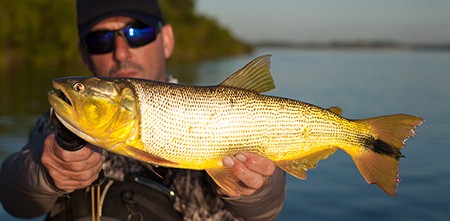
(195, 127)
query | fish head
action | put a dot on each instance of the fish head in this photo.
(101, 111)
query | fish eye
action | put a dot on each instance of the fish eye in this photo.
(78, 87)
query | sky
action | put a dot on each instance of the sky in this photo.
(410, 21)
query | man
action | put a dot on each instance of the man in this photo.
(129, 39)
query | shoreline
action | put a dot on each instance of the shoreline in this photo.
(356, 45)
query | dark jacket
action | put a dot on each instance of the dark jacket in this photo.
(26, 190)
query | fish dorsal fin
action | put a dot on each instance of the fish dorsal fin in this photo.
(254, 76)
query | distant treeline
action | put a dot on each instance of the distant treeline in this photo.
(356, 45)
(38, 33)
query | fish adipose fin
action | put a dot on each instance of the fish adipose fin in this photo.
(225, 179)
(254, 76)
(335, 109)
(378, 161)
(298, 167)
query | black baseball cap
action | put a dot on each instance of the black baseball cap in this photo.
(89, 12)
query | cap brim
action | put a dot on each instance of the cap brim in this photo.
(149, 20)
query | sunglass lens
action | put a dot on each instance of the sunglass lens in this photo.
(140, 35)
(99, 42)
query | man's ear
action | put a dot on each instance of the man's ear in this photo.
(168, 40)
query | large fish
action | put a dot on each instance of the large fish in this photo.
(195, 127)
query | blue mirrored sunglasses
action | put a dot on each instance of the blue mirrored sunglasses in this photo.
(136, 34)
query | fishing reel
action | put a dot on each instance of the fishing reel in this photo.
(69, 141)
(64, 137)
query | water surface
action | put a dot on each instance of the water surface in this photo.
(363, 83)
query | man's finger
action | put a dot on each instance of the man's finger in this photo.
(258, 164)
(249, 178)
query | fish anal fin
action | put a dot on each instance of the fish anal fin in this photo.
(226, 180)
(294, 168)
(254, 76)
(378, 169)
(299, 166)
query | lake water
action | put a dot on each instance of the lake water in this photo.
(363, 83)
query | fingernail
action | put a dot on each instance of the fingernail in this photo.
(227, 162)
(241, 158)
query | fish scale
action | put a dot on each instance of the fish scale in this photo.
(215, 122)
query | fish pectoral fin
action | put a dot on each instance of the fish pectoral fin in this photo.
(145, 157)
(254, 76)
(226, 180)
(299, 166)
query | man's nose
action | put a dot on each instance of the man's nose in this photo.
(121, 50)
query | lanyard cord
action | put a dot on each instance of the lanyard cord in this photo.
(96, 204)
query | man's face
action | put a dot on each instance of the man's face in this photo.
(147, 61)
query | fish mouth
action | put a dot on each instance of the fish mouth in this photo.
(61, 95)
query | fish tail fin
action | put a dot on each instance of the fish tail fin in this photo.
(394, 129)
(378, 161)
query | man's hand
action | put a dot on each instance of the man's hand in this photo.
(252, 171)
(71, 170)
